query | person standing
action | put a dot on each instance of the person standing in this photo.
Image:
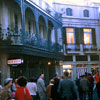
(6, 94)
(48, 91)
(97, 79)
(67, 89)
(91, 84)
(54, 94)
(84, 85)
(22, 93)
(41, 88)
(32, 87)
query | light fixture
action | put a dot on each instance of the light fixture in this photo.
(49, 63)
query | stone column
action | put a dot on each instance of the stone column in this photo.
(5, 69)
(4, 20)
(89, 66)
(74, 58)
(59, 70)
(23, 16)
(74, 72)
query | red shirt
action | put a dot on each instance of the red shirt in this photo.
(20, 94)
(97, 78)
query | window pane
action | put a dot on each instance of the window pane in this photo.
(70, 38)
(87, 30)
(86, 13)
(69, 29)
(69, 12)
(87, 38)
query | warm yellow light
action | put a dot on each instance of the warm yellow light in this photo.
(49, 63)
(67, 66)
(69, 71)
(87, 30)
(86, 38)
(69, 29)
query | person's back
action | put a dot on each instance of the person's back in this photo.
(84, 84)
(67, 89)
(32, 87)
(54, 93)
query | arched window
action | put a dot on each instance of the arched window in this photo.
(86, 13)
(69, 12)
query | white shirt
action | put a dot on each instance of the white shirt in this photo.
(32, 87)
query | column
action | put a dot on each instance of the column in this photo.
(74, 58)
(47, 32)
(74, 72)
(23, 16)
(4, 68)
(89, 66)
(37, 26)
(56, 35)
(4, 20)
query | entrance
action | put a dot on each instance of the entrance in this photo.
(16, 71)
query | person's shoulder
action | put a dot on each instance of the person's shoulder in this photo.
(33, 83)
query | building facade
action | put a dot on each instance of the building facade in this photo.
(30, 40)
(81, 36)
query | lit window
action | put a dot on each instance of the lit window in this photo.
(70, 35)
(69, 12)
(87, 36)
(86, 13)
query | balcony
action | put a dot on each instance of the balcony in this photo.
(13, 37)
(90, 48)
(81, 49)
(73, 48)
(45, 6)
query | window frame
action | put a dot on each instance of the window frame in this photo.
(69, 12)
(68, 32)
(86, 13)
(90, 35)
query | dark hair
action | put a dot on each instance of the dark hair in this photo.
(32, 79)
(65, 73)
(22, 81)
(41, 74)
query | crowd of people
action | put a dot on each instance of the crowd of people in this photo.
(58, 88)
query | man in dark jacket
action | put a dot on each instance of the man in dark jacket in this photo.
(67, 89)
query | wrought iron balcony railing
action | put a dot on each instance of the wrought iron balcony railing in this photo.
(90, 47)
(19, 38)
(72, 47)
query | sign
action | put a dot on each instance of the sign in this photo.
(15, 61)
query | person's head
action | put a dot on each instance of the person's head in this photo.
(16, 81)
(62, 77)
(8, 82)
(56, 81)
(56, 75)
(22, 81)
(42, 76)
(32, 79)
(65, 74)
(52, 81)
(16, 84)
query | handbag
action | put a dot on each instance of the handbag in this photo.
(25, 94)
